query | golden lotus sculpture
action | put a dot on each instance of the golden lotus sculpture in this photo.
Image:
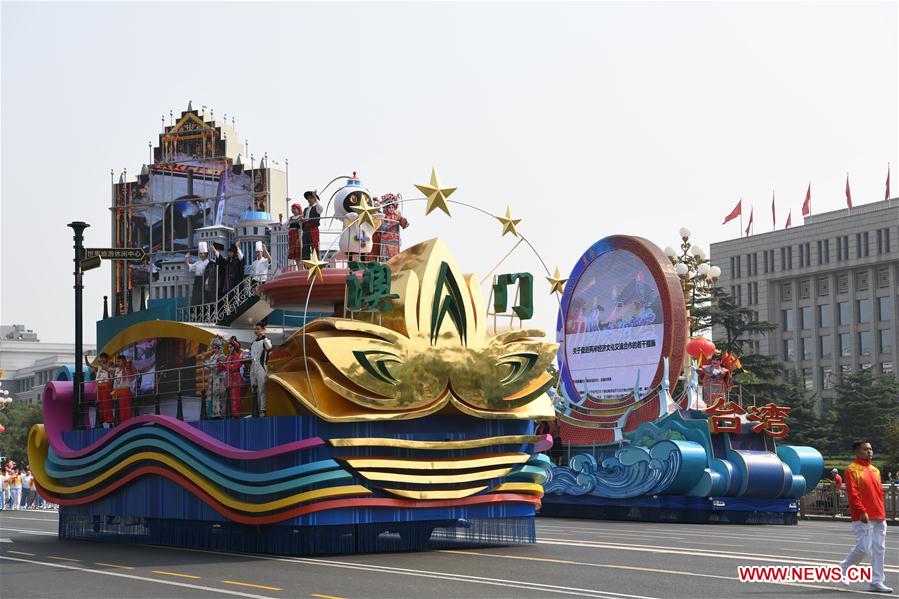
(430, 353)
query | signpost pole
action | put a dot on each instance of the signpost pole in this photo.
(77, 419)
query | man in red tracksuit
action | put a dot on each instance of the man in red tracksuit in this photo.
(865, 493)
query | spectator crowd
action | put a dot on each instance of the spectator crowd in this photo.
(20, 490)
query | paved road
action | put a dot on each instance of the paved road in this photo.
(611, 560)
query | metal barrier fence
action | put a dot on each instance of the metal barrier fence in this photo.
(826, 501)
(187, 393)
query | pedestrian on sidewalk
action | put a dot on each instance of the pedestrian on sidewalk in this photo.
(15, 487)
(865, 493)
(837, 479)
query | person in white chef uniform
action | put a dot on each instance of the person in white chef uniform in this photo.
(262, 264)
(197, 296)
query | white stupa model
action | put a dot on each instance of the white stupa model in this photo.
(356, 238)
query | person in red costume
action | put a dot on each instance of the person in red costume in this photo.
(103, 374)
(865, 492)
(122, 384)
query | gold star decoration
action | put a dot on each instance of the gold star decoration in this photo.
(314, 266)
(436, 194)
(364, 212)
(510, 225)
(557, 282)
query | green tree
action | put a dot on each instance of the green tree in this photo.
(737, 321)
(890, 452)
(810, 423)
(17, 418)
(867, 408)
(762, 379)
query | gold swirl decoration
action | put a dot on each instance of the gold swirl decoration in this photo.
(430, 353)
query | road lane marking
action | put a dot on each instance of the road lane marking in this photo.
(444, 575)
(31, 532)
(320, 596)
(641, 533)
(251, 585)
(141, 578)
(67, 559)
(114, 566)
(516, 584)
(39, 519)
(635, 568)
(758, 557)
(714, 544)
(21, 553)
(175, 574)
(390, 570)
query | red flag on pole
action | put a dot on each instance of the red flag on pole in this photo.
(848, 193)
(773, 212)
(749, 226)
(789, 220)
(737, 211)
(886, 196)
(807, 204)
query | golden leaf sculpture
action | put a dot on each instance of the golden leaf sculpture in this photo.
(430, 353)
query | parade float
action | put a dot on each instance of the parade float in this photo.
(397, 409)
(648, 425)
(392, 415)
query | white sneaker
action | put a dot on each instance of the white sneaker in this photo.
(843, 580)
(879, 587)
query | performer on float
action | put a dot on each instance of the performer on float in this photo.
(356, 239)
(375, 253)
(262, 264)
(234, 380)
(233, 267)
(122, 385)
(259, 351)
(103, 374)
(389, 231)
(216, 377)
(311, 220)
(294, 235)
(218, 274)
(715, 379)
(198, 268)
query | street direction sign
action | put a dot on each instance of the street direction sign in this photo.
(115, 253)
(89, 263)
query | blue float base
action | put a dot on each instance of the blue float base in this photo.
(674, 508)
(299, 540)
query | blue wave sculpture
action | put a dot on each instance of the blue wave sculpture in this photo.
(688, 466)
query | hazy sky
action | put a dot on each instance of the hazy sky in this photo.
(588, 119)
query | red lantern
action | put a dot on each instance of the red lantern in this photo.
(700, 346)
(695, 347)
(2, 428)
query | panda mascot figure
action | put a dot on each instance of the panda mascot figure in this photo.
(355, 239)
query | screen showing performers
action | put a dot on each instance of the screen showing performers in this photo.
(614, 327)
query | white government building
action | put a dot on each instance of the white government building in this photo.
(29, 363)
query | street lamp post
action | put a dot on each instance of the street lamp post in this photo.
(696, 275)
(77, 419)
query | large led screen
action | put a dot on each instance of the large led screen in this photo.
(622, 312)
